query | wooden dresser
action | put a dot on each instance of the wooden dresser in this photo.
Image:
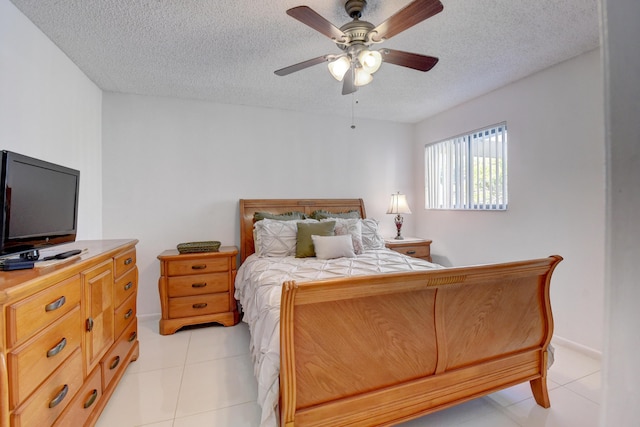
(68, 331)
(197, 288)
(412, 246)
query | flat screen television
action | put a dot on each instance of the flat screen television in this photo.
(39, 205)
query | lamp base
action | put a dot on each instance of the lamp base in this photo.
(398, 220)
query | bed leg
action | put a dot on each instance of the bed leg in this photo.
(540, 392)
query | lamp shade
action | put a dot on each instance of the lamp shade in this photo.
(398, 204)
(370, 60)
(339, 67)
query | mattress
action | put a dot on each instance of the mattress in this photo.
(258, 288)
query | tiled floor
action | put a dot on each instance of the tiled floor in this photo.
(203, 377)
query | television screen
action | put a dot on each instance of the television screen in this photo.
(40, 201)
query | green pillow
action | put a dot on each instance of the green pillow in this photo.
(286, 216)
(304, 243)
(326, 214)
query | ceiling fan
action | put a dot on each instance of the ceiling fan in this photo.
(356, 65)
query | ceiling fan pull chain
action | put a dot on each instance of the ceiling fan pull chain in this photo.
(353, 102)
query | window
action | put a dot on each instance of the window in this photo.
(468, 172)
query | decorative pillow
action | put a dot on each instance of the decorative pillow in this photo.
(326, 214)
(304, 243)
(286, 216)
(371, 237)
(329, 247)
(276, 238)
(353, 227)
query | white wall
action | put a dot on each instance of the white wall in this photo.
(174, 169)
(621, 371)
(556, 188)
(50, 110)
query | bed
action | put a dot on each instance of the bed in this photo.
(381, 338)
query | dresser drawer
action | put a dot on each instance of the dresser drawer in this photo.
(198, 305)
(124, 262)
(125, 286)
(197, 266)
(41, 309)
(197, 284)
(124, 315)
(50, 399)
(114, 360)
(79, 409)
(32, 362)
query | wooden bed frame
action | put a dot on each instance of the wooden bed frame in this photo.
(380, 350)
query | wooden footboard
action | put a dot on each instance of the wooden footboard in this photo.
(379, 350)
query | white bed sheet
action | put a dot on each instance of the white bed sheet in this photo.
(258, 288)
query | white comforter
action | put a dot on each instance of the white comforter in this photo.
(258, 288)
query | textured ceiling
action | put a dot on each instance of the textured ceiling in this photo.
(227, 50)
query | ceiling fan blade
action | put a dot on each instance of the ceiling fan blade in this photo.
(407, 17)
(309, 17)
(349, 82)
(301, 65)
(408, 59)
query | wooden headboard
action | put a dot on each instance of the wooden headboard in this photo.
(250, 206)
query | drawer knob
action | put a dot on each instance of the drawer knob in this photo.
(115, 363)
(199, 285)
(128, 314)
(133, 336)
(128, 286)
(199, 267)
(59, 397)
(92, 398)
(56, 304)
(200, 305)
(89, 324)
(58, 348)
(128, 261)
(411, 252)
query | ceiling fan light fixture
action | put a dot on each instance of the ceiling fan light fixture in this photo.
(362, 77)
(370, 60)
(339, 67)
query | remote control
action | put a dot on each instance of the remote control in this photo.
(63, 255)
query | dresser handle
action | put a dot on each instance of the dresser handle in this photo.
(58, 348)
(60, 397)
(200, 305)
(128, 286)
(56, 304)
(89, 324)
(89, 402)
(128, 314)
(199, 285)
(115, 363)
(411, 252)
(199, 267)
(133, 336)
(128, 261)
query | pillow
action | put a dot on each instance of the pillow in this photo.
(371, 237)
(329, 247)
(286, 216)
(352, 227)
(304, 243)
(320, 214)
(273, 238)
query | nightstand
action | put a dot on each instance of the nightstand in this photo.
(197, 288)
(411, 246)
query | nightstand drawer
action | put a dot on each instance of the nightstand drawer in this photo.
(197, 266)
(197, 284)
(416, 251)
(198, 305)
